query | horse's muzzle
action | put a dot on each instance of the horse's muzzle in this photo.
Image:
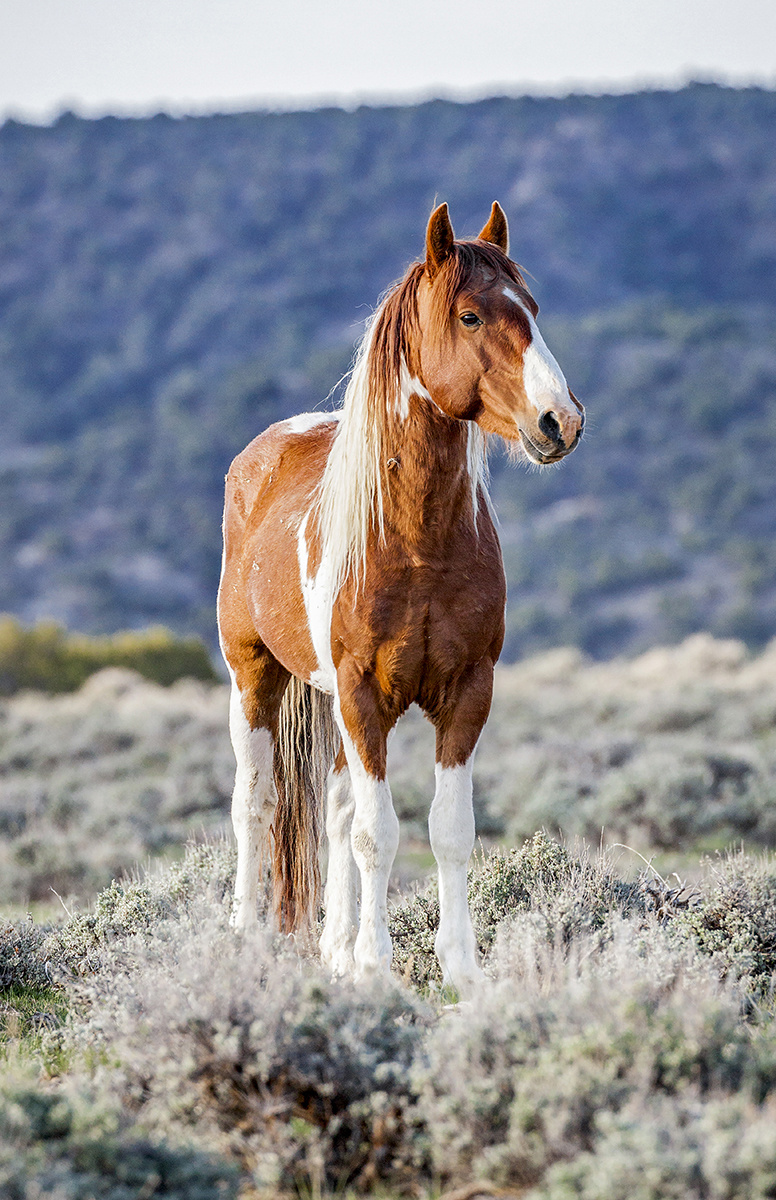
(550, 452)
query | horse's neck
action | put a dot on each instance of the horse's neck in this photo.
(428, 482)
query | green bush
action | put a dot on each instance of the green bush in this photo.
(572, 895)
(68, 1144)
(734, 921)
(46, 658)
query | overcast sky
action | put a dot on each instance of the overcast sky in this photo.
(140, 56)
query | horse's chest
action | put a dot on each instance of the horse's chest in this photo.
(409, 628)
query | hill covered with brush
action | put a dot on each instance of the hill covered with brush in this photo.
(170, 286)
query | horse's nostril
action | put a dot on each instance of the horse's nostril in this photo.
(549, 425)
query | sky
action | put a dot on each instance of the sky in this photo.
(178, 56)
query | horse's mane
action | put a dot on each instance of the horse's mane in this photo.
(384, 369)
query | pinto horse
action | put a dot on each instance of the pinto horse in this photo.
(362, 573)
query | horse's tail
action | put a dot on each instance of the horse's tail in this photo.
(306, 745)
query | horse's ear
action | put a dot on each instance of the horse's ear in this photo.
(440, 240)
(497, 230)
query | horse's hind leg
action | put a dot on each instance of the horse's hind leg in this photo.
(257, 689)
(341, 896)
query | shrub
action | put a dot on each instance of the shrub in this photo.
(668, 1151)
(572, 895)
(68, 1144)
(269, 1061)
(22, 955)
(135, 908)
(48, 659)
(529, 1076)
(734, 922)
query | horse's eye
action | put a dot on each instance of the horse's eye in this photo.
(470, 319)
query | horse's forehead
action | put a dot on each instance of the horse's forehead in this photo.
(506, 301)
(505, 294)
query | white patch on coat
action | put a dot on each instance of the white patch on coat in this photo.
(304, 422)
(409, 385)
(543, 380)
(318, 596)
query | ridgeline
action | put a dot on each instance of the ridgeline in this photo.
(168, 287)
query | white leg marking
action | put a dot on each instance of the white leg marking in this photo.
(253, 805)
(451, 828)
(374, 839)
(341, 895)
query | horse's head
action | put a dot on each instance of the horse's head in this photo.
(481, 355)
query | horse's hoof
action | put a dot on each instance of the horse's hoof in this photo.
(341, 965)
(243, 922)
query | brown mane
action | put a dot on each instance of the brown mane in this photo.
(391, 343)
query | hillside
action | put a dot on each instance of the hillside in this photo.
(168, 287)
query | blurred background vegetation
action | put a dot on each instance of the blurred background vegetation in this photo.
(48, 659)
(672, 752)
(168, 287)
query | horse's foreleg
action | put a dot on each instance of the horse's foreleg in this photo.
(375, 829)
(253, 805)
(451, 825)
(341, 894)
(451, 830)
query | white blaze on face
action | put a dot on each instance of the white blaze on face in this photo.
(543, 379)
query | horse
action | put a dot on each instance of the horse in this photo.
(362, 573)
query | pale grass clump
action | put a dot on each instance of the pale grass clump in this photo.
(604, 1032)
(571, 1040)
(74, 1140)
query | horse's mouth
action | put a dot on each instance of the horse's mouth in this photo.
(544, 457)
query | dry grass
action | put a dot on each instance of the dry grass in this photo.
(675, 750)
(604, 1032)
(623, 1046)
